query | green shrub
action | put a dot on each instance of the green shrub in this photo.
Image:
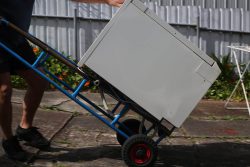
(63, 72)
(55, 67)
(18, 82)
(224, 85)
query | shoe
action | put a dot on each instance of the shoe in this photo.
(33, 137)
(13, 150)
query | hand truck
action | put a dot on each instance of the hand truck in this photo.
(139, 137)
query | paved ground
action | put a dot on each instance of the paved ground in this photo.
(211, 136)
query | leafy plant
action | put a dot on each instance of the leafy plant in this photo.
(227, 68)
(60, 70)
(18, 82)
(224, 85)
(63, 72)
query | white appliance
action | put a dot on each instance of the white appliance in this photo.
(151, 63)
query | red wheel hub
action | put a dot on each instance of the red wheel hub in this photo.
(140, 153)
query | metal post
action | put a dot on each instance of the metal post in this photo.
(214, 4)
(171, 3)
(193, 4)
(76, 33)
(204, 4)
(198, 31)
(246, 4)
(225, 4)
(236, 4)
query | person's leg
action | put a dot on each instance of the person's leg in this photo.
(36, 87)
(25, 131)
(5, 105)
(33, 96)
(10, 143)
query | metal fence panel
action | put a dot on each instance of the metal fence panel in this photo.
(245, 4)
(246, 21)
(225, 14)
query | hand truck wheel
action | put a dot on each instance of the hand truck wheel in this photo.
(139, 151)
(133, 125)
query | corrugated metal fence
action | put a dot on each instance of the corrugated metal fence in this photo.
(245, 4)
(71, 28)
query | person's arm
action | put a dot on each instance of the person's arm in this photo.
(117, 3)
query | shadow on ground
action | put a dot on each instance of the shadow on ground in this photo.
(213, 154)
(5, 162)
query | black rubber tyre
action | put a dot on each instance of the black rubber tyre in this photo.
(133, 125)
(139, 151)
